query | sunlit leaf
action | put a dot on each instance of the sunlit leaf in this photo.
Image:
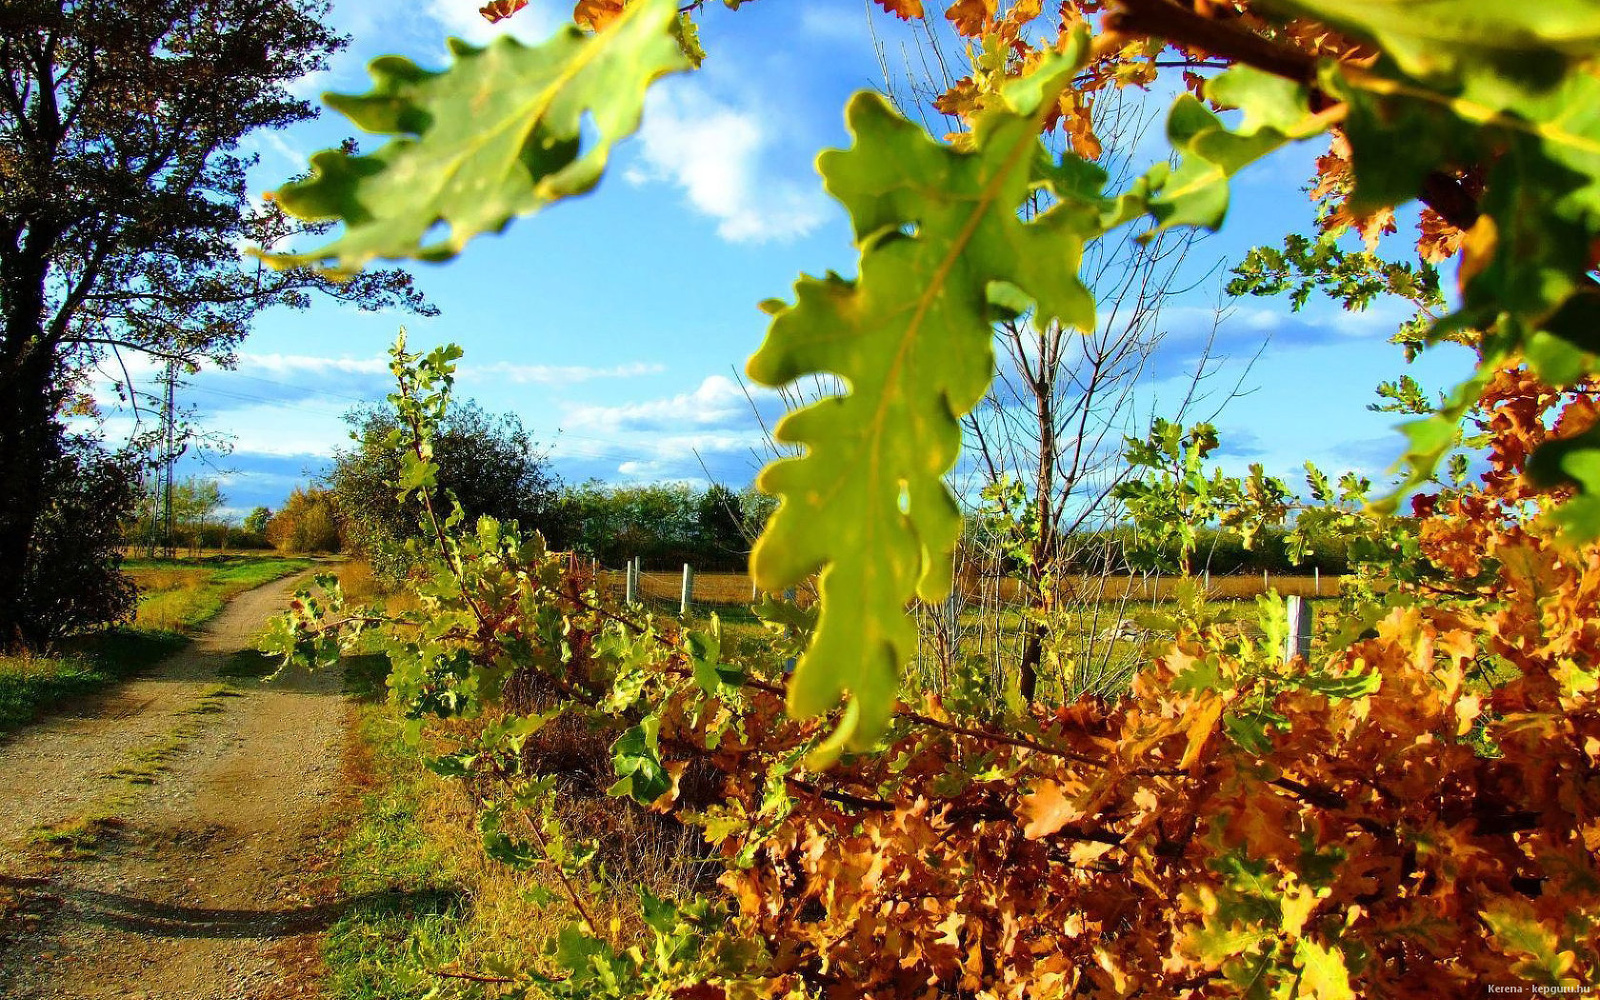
(503, 132)
(866, 503)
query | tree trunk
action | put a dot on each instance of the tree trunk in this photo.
(29, 434)
(28, 440)
(1044, 542)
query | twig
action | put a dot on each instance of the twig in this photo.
(1178, 23)
(471, 976)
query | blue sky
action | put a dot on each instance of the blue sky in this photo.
(614, 324)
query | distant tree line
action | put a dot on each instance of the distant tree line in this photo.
(492, 467)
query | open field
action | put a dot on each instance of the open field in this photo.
(736, 588)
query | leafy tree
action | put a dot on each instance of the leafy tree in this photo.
(255, 522)
(307, 522)
(719, 523)
(487, 462)
(657, 522)
(123, 203)
(664, 524)
(194, 501)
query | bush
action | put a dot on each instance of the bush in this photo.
(73, 579)
(488, 463)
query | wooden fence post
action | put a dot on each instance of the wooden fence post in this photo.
(688, 591)
(1298, 642)
(630, 582)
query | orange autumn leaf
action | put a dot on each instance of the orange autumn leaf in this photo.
(596, 14)
(499, 10)
(903, 9)
(1202, 723)
(970, 17)
(1046, 810)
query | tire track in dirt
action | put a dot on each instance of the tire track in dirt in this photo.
(202, 809)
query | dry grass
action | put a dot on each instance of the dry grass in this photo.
(159, 578)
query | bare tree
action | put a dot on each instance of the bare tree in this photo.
(1062, 402)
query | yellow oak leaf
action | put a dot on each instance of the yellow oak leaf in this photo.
(970, 17)
(1046, 810)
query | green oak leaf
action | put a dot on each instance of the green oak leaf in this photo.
(495, 136)
(1275, 111)
(1530, 43)
(1517, 931)
(941, 239)
(1524, 281)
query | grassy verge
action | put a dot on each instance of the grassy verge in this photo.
(177, 596)
(422, 903)
(398, 865)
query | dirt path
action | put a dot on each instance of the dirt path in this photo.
(183, 811)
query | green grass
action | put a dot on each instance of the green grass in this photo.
(31, 685)
(177, 597)
(79, 838)
(407, 903)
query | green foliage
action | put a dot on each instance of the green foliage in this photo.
(1171, 499)
(495, 136)
(1196, 192)
(1352, 277)
(1446, 40)
(255, 522)
(664, 524)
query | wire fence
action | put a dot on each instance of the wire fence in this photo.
(723, 588)
(1091, 635)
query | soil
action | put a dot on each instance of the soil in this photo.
(189, 816)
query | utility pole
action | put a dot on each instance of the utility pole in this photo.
(169, 456)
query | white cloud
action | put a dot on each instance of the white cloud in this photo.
(718, 401)
(555, 374)
(296, 158)
(296, 364)
(268, 430)
(713, 151)
(721, 455)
